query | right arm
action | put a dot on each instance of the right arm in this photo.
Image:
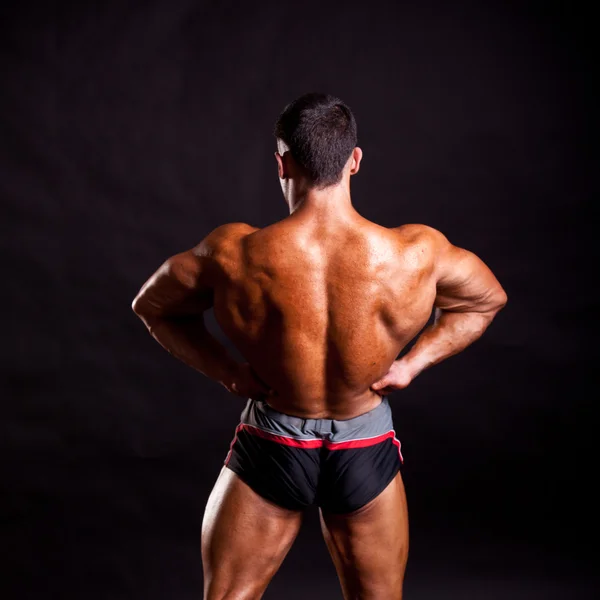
(468, 297)
(172, 304)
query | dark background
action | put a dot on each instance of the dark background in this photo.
(128, 131)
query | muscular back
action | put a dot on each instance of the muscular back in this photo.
(321, 310)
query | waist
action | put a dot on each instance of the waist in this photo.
(372, 423)
(340, 409)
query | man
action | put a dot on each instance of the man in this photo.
(320, 304)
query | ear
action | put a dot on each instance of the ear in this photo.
(355, 160)
(280, 167)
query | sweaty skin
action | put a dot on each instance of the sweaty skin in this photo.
(321, 310)
(319, 304)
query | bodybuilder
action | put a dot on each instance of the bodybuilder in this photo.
(320, 305)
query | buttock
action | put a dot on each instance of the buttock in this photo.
(339, 465)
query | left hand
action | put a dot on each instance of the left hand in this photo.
(398, 377)
(246, 383)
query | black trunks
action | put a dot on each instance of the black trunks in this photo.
(296, 462)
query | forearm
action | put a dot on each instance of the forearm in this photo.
(188, 339)
(449, 334)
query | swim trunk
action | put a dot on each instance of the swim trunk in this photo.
(295, 462)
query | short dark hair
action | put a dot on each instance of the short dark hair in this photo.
(320, 131)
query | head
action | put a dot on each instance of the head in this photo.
(316, 143)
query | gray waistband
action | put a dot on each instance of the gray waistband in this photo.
(370, 424)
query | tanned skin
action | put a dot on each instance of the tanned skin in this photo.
(319, 304)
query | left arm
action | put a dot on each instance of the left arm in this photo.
(172, 303)
(468, 298)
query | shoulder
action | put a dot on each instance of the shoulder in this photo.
(419, 232)
(192, 265)
(199, 258)
(446, 259)
(223, 237)
(422, 239)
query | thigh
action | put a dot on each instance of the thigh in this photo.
(244, 539)
(369, 546)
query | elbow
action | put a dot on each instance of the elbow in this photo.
(500, 300)
(136, 306)
(494, 304)
(146, 310)
(140, 307)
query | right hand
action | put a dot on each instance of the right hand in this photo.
(246, 383)
(397, 378)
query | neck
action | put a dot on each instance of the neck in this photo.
(332, 201)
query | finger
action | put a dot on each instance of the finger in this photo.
(379, 384)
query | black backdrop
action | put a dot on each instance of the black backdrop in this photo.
(129, 130)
